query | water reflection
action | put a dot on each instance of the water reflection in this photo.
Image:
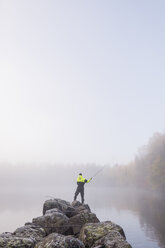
(20, 206)
(149, 207)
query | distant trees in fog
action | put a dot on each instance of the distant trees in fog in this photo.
(147, 170)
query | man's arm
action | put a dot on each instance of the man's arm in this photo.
(87, 181)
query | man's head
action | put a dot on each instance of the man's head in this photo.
(80, 174)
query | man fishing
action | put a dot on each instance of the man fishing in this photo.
(80, 188)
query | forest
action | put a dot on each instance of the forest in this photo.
(147, 171)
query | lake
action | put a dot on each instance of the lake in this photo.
(141, 214)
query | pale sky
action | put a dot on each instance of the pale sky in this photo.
(80, 81)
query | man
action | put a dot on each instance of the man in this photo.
(80, 188)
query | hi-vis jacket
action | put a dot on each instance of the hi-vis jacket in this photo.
(81, 181)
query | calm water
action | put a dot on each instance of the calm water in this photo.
(141, 214)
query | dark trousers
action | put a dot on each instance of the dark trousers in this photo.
(81, 191)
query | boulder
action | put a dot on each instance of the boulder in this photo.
(59, 204)
(112, 240)
(103, 234)
(74, 216)
(56, 240)
(65, 207)
(52, 221)
(77, 221)
(23, 237)
(30, 231)
(81, 215)
(76, 204)
(61, 220)
(78, 207)
(11, 241)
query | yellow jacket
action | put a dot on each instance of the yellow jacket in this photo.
(81, 179)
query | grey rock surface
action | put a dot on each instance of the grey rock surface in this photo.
(77, 221)
(104, 234)
(112, 240)
(52, 221)
(62, 205)
(30, 231)
(12, 241)
(56, 240)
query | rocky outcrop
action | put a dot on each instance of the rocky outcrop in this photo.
(103, 234)
(26, 236)
(77, 221)
(58, 240)
(53, 221)
(30, 231)
(66, 225)
(64, 206)
(7, 240)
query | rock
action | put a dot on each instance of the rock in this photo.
(56, 240)
(80, 207)
(23, 237)
(112, 240)
(62, 205)
(70, 211)
(61, 220)
(76, 222)
(78, 215)
(103, 234)
(65, 207)
(52, 221)
(53, 210)
(76, 204)
(11, 241)
(30, 231)
(77, 207)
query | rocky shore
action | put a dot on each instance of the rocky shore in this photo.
(66, 225)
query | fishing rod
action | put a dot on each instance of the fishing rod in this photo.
(98, 171)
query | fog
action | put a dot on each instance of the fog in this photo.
(140, 213)
(82, 86)
(45, 175)
(146, 171)
(24, 189)
(41, 182)
(80, 82)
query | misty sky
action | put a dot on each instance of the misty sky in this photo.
(80, 81)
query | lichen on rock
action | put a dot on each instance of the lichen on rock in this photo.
(55, 221)
(12, 241)
(103, 234)
(56, 240)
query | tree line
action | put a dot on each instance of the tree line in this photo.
(146, 171)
